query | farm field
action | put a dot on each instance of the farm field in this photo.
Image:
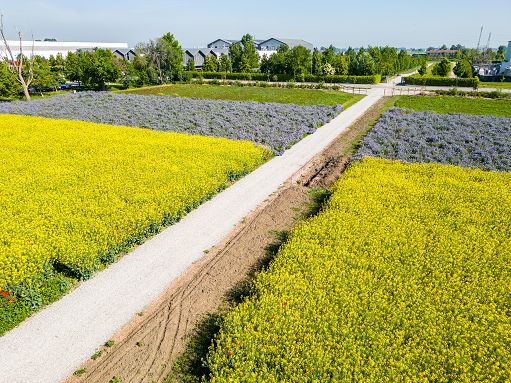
(453, 104)
(75, 195)
(457, 139)
(275, 126)
(402, 277)
(249, 93)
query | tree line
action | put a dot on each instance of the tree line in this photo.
(161, 61)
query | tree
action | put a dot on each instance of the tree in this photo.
(341, 64)
(363, 64)
(210, 64)
(423, 69)
(21, 66)
(92, 69)
(190, 65)
(443, 68)
(264, 66)
(57, 63)
(165, 57)
(225, 64)
(173, 56)
(464, 69)
(298, 60)
(501, 53)
(316, 62)
(249, 52)
(8, 83)
(99, 68)
(245, 66)
(276, 63)
(235, 54)
(329, 55)
(44, 78)
(73, 69)
(142, 71)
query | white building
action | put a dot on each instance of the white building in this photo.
(53, 48)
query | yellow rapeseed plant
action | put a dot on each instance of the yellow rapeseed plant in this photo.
(405, 276)
(76, 193)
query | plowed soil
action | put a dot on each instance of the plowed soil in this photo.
(145, 349)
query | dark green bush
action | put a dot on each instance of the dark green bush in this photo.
(442, 81)
(331, 79)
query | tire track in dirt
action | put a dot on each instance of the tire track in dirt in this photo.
(146, 348)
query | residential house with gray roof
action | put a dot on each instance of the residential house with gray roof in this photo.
(221, 46)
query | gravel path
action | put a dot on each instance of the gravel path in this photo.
(50, 345)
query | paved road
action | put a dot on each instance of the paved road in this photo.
(49, 346)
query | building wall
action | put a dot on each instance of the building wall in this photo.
(51, 48)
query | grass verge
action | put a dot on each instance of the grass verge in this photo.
(259, 94)
(496, 85)
(454, 104)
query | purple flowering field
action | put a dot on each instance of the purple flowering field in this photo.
(276, 126)
(458, 139)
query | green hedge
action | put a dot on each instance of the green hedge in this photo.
(375, 79)
(442, 81)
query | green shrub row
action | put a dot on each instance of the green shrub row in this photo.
(375, 79)
(456, 92)
(442, 81)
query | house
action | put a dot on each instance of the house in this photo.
(197, 55)
(124, 54)
(221, 46)
(274, 44)
(217, 52)
(495, 72)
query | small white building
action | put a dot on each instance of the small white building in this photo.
(53, 48)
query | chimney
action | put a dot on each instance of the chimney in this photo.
(508, 53)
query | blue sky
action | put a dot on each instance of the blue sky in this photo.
(195, 23)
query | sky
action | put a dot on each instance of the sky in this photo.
(195, 23)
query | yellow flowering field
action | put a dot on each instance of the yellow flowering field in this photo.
(76, 194)
(405, 276)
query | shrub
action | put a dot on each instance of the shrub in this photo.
(442, 81)
(375, 79)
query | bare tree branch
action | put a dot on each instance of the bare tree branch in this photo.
(16, 64)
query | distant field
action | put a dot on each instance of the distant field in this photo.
(245, 93)
(453, 104)
(497, 85)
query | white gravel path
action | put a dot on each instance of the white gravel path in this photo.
(50, 345)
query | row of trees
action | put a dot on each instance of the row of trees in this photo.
(473, 55)
(298, 60)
